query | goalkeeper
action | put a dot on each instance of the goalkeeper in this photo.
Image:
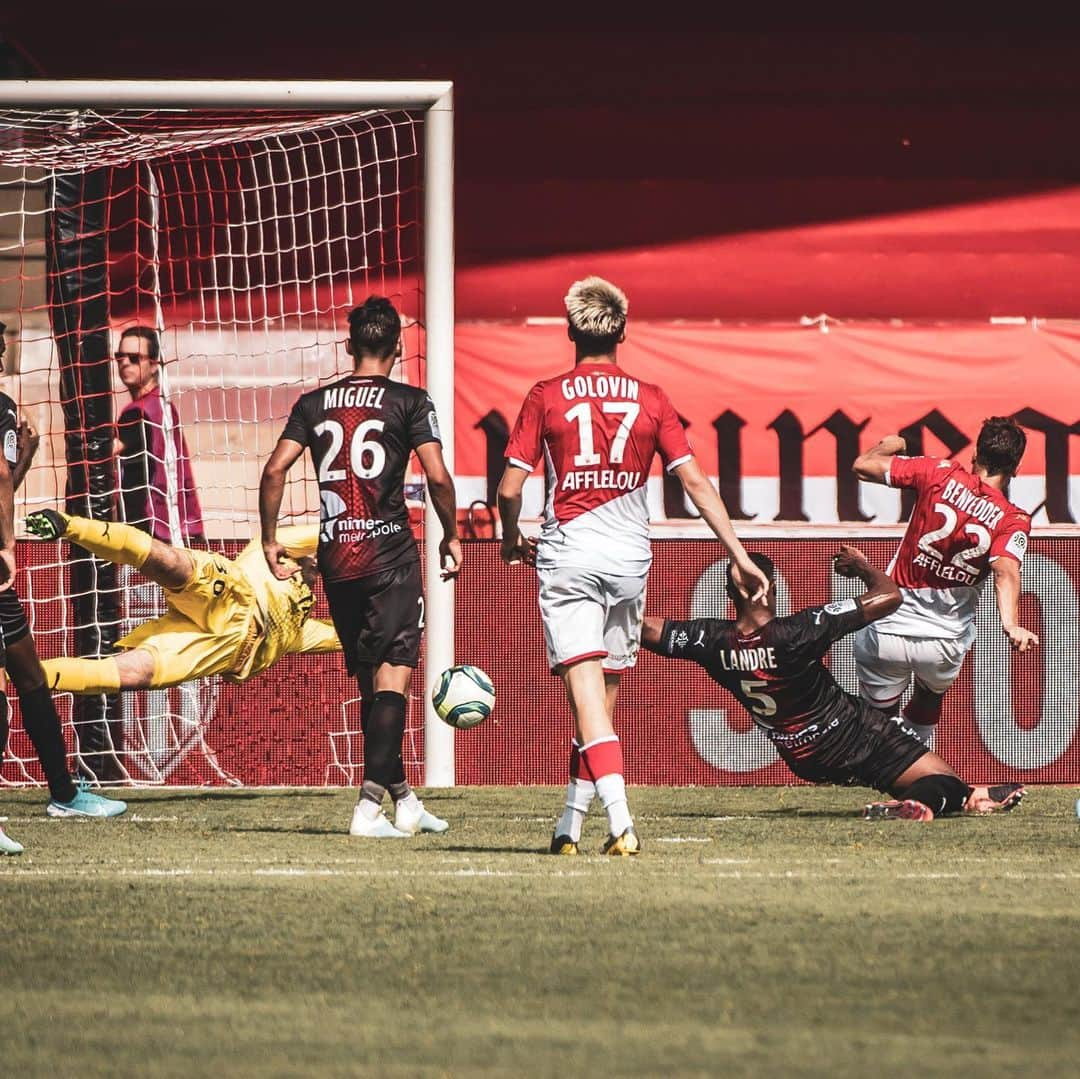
(225, 616)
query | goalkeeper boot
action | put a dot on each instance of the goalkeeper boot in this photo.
(377, 827)
(906, 810)
(7, 844)
(999, 799)
(413, 818)
(46, 524)
(86, 804)
(563, 844)
(623, 845)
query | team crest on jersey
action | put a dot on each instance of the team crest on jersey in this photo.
(680, 639)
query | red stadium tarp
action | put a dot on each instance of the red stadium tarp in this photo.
(754, 395)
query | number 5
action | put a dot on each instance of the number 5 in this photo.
(763, 705)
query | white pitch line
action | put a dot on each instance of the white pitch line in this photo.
(11, 870)
(682, 839)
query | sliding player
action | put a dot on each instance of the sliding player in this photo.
(224, 616)
(18, 653)
(598, 429)
(962, 529)
(773, 667)
(361, 431)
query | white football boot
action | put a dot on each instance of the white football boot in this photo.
(416, 818)
(378, 827)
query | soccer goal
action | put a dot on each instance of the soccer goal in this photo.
(240, 221)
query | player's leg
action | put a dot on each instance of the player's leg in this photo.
(7, 844)
(40, 721)
(580, 789)
(882, 668)
(129, 670)
(379, 622)
(171, 567)
(574, 605)
(936, 665)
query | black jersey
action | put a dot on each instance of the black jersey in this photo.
(9, 423)
(361, 431)
(776, 672)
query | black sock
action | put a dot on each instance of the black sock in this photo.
(5, 711)
(943, 794)
(383, 732)
(42, 726)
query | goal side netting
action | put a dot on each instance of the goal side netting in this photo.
(242, 237)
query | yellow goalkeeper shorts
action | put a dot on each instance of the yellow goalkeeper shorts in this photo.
(209, 628)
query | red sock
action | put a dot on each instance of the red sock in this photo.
(579, 768)
(603, 758)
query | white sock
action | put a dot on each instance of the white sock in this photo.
(369, 810)
(410, 801)
(612, 792)
(579, 796)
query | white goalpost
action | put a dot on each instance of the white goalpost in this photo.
(241, 220)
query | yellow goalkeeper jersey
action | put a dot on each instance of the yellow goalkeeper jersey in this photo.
(282, 607)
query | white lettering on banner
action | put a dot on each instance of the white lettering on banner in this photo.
(711, 732)
(1059, 642)
(600, 386)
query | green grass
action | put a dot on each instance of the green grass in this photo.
(762, 932)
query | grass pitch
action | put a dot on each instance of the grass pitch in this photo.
(762, 932)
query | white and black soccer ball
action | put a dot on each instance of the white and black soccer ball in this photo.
(463, 696)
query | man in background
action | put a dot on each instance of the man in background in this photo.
(141, 446)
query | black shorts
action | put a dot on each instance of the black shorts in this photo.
(865, 749)
(379, 618)
(13, 624)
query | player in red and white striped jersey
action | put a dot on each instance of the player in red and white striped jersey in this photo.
(597, 429)
(962, 530)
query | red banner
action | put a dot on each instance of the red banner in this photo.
(779, 413)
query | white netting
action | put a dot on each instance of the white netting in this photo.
(244, 237)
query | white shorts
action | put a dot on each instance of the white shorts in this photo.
(588, 614)
(886, 663)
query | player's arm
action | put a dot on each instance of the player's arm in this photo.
(882, 596)
(515, 547)
(652, 631)
(1007, 593)
(7, 526)
(26, 446)
(440, 486)
(710, 505)
(873, 466)
(271, 491)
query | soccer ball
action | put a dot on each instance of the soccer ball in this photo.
(463, 696)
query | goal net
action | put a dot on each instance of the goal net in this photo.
(241, 236)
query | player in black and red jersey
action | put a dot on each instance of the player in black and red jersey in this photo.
(361, 431)
(18, 653)
(773, 666)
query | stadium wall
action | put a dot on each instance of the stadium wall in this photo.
(1007, 718)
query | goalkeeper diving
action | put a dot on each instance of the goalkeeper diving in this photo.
(227, 616)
